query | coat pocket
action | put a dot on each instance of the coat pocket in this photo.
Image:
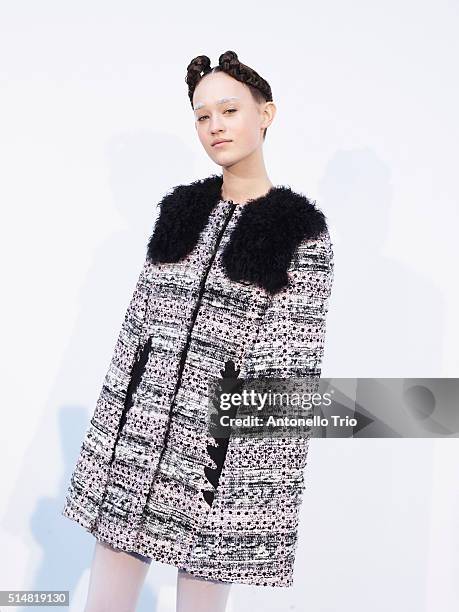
(218, 451)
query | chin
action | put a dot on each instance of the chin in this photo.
(227, 163)
(224, 160)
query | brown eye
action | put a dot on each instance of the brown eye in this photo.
(228, 110)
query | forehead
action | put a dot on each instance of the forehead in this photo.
(199, 104)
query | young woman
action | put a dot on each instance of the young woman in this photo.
(235, 285)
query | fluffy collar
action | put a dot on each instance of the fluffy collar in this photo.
(262, 243)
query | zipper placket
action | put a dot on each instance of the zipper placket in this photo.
(188, 340)
(198, 302)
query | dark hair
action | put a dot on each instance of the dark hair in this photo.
(228, 62)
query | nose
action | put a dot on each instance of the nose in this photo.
(216, 125)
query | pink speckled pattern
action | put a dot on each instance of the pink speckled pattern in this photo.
(139, 481)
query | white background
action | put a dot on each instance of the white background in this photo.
(95, 127)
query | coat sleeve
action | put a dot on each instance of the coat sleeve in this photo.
(89, 478)
(110, 403)
(291, 338)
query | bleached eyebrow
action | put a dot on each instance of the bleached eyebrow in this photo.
(221, 101)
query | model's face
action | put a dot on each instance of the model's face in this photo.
(225, 109)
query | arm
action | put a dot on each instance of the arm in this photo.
(291, 337)
(101, 433)
(88, 481)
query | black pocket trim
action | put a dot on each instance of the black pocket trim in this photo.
(218, 453)
(138, 370)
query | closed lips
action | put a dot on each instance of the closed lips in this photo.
(220, 141)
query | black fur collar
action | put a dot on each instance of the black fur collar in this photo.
(262, 243)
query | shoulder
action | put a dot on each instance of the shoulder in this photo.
(311, 271)
(192, 192)
(285, 215)
(314, 233)
(318, 247)
(183, 213)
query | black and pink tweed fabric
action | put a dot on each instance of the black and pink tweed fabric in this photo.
(141, 482)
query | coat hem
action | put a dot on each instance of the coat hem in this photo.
(216, 575)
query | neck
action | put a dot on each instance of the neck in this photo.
(239, 187)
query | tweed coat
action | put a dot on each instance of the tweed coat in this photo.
(225, 289)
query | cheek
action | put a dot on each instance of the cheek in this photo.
(201, 134)
(248, 137)
(247, 130)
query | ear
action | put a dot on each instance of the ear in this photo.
(269, 112)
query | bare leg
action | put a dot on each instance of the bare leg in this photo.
(196, 594)
(116, 580)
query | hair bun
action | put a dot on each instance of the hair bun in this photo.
(228, 60)
(199, 64)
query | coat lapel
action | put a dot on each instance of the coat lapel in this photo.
(262, 243)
